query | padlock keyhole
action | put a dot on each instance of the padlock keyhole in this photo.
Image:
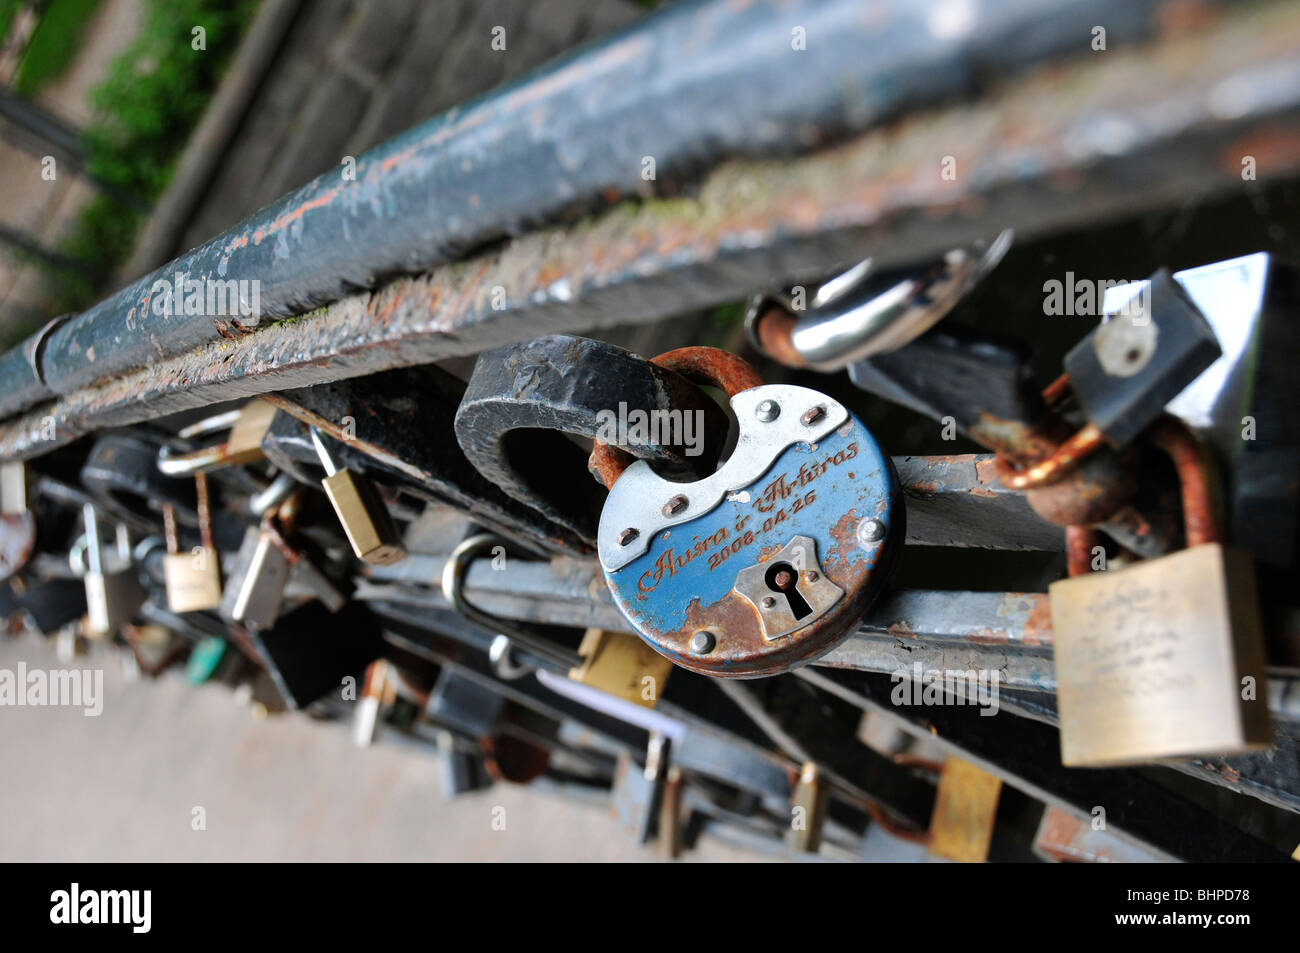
(782, 578)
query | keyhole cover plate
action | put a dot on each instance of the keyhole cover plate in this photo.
(813, 475)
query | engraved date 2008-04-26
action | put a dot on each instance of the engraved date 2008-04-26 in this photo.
(725, 542)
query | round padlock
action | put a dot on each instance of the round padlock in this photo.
(771, 560)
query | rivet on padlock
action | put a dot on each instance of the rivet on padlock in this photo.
(768, 562)
(193, 579)
(1163, 659)
(112, 594)
(365, 518)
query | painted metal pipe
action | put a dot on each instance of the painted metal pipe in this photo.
(678, 92)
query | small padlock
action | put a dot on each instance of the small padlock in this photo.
(768, 562)
(1164, 659)
(193, 579)
(1139, 358)
(255, 590)
(113, 592)
(248, 426)
(808, 804)
(621, 665)
(263, 567)
(365, 518)
(965, 812)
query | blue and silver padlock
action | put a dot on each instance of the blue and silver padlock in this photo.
(770, 561)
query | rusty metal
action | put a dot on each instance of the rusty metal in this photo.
(1195, 480)
(1056, 392)
(1056, 466)
(705, 366)
(692, 86)
(1079, 544)
(957, 500)
(755, 224)
(522, 400)
(204, 510)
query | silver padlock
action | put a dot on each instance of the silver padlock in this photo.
(263, 568)
(113, 593)
(255, 589)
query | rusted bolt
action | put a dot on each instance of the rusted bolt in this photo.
(767, 410)
(870, 531)
(702, 642)
(676, 505)
(811, 576)
(768, 601)
(812, 415)
(627, 536)
(783, 579)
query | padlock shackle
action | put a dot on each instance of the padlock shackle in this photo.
(711, 367)
(1195, 479)
(702, 366)
(204, 509)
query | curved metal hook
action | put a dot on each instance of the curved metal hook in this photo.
(453, 590)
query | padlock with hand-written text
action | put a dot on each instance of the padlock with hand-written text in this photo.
(768, 562)
(1163, 659)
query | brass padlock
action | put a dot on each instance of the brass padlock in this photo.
(248, 426)
(808, 803)
(364, 516)
(193, 579)
(622, 665)
(965, 812)
(1163, 659)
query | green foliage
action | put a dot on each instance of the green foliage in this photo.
(152, 98)
(54, 42)
(8, 10)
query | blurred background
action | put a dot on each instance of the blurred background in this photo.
(133, 130)
(161, 137)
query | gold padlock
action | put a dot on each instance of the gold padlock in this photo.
(622, 665)
(808, 804)
(965, 812)
(1163, 660)
(248, 426)
(365, 518)
(193, 579)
